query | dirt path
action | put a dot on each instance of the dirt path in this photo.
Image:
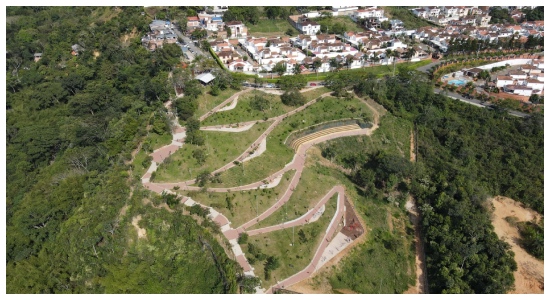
(142, 234)
(529, 277)
(421, 286)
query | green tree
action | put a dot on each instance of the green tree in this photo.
(292, 82)
(293, 98)
(260, 103)
(280, 68)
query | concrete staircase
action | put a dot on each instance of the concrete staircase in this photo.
(295, 144)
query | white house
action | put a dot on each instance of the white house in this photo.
(240, 65)
(420, 12)
(237, 28)
(534, 84)
(371, 12)
(521, 90)
(309, 27)
(517, 74)
(504, 80)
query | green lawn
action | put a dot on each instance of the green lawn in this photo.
(207, 101)
(292, 258)
(156, 141)
(220, 148)
(278, 154)
(243, 111)
(245, 205)
(270, 28)
(392, 137)
(312, 186)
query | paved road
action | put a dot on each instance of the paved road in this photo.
(190, 44)
(477, 103)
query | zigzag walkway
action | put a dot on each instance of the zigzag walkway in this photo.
(297, 164)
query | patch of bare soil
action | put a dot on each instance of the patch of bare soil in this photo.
(529, 276)
(142, 234)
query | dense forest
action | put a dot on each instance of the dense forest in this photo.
(72, 122)
(465, 154)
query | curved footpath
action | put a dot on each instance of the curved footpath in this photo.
(297, 164)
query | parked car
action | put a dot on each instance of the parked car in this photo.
(270, 85)
(313, 84)
(322, 83)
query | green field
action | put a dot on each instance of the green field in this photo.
(207, 101)
(245, 205)
(220, 148)
(244, 112)
(392, 138)
(278, 154)
(308, 192)
(292, 257)
(270, 28)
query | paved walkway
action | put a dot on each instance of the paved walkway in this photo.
(331, 230)
(304, 219)
(297, 164)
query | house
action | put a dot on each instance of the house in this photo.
(521, 90)
(483, 20)
(505, 80)
(240, 65)
(534, 84)
(372, 16)
(472, 72)
(396, 24)
(529, 69)
(432, 11)
(193, 22)
(37, 57)
(343, 10)
(309, 27)
(237, 28)
(420, 12)
(517, 74)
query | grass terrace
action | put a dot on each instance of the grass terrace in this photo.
(220, 148)
(241, 207)
(393, 137)
(313, 185)
(207, 101)
(244, 112)
(292, 258)
(277, 155)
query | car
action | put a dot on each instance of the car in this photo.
(313, 84)
(270, 85)
(322, 83)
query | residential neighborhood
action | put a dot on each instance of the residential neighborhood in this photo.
(241, 51)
